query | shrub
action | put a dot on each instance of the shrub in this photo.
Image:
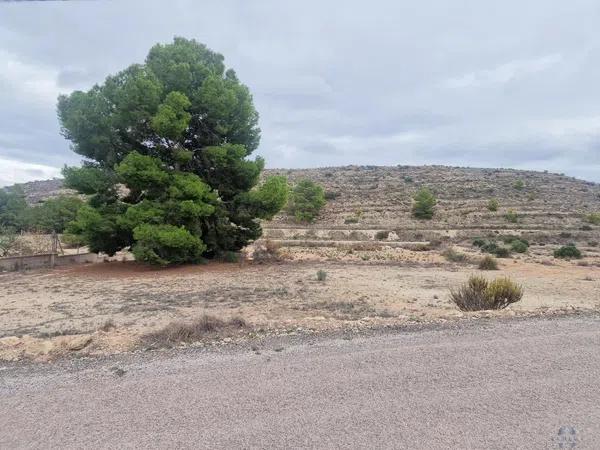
(349, 220)
(381, 235)
(586, 228)
(332, 195)
(230, 257)
(7, 242)
(593, 218)
(407, 179)
(478, 243)
(188, 332)
(567, 251)
(54, 214)
(454, 256)
(511, 216)
(519, 246)
(488, 263)
(306, 201)
(489, 247)
(493, 205)
(593, 243)
(266, 251)
(479, 294)
(424, 203)
(502, 252)
(321, 275)
(565, 235)
(519, 185)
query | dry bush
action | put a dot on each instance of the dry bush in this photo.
(480, 294)
(265, 251)
(488, 263)
(453, 256)
(187, 332)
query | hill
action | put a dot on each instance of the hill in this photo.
(380, 198)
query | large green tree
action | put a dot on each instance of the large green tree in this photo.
(166, 146)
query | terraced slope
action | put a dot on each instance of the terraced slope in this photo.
(367, 199)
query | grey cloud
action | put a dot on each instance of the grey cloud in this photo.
(474, 83)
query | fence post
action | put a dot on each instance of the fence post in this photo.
(53, 250)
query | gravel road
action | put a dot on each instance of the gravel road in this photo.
(508, 384)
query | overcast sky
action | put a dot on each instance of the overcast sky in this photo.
(479, 83)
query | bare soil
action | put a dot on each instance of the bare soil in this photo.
(110, 307)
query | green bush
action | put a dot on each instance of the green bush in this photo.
(511, 216)
(519, 246)
(478, 242)
(480, 294)
(519, 185)
(349, 220)
(12, 208)
(54, 214)
(593, 218)
(502, 252)
(567, 252)
(489, 247)
(493, 205)
(332, 195)
(306, 200)
(321, 275)
(424, 203)
(381, 235)
(488, 263)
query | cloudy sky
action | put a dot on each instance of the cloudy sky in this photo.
(480, 83)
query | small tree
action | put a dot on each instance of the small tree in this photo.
(12, 208)
(519, 185)
(306, 201)
(492, 205)
(54, 214)
(424, 203)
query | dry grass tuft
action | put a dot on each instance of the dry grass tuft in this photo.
(488, 263)
(187, 332)
(480, 294)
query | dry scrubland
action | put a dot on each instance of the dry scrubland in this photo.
(381, 267)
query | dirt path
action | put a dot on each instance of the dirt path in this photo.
(508, 384)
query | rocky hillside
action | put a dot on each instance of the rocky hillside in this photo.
(380, 198)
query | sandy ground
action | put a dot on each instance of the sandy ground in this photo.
(105, 308)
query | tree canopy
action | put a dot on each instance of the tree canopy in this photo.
(166, 146)
(306, 200)
(424, 203)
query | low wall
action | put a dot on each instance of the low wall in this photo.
(13, 263)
